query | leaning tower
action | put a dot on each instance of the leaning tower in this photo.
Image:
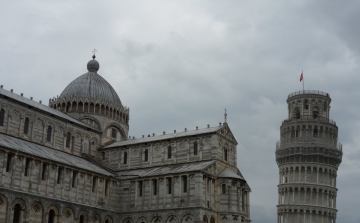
(308, 156)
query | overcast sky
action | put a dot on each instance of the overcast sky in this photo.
(179, 64)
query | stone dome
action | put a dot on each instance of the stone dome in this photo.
(91, 87)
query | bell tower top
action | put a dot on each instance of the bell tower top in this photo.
(309, 104)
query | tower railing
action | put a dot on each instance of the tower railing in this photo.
(309, 92)
(309, 118)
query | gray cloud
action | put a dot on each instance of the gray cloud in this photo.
(179, 64)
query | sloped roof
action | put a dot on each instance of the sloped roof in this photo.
(164, 137)
(165, 170)
(49, 153)
(228, 173)
(44, 108)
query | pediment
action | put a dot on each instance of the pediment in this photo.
(226, 133)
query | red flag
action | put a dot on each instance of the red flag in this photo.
(301, 77)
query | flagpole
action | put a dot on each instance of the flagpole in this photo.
(302, 72)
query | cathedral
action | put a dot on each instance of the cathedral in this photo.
(74, 162)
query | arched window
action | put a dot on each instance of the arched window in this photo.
(106, 187)
(154, 186)
(51, 216)
(9, 162)
(225, 154)
(17, 213)
(146, 154)
(223, 188)
(26, 125)
(113, 133)
(195, 148)
(81, 219)
(169, 152)
(49, 131)
(315, 114)
(315, 133)
(306, 104)
(205, 219)
(212, 220)
(169, 184)
(95, 179)
(140, 188)
(2, 117)
(107, 221)
(125, 157)
(184, 180)
(297, 113)
(68, 139)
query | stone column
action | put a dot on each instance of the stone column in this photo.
(59, 218)
(8, 212)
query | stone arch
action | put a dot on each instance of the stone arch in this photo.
(26, 125)
(205, 219)
(80, 106)
(142, 219)
(118, 127)
(97, 109)
(20, 201)
(78, 134)
(108, 219)
(156, 219)
(15, 114)
(306, 104)
(91, 121)
(60, 129)
(212, 219)
(128, 220)
(68, 105)
(52, 213)
(86, 106)
(14, 120)
(83, 216)
(171, 219)
(296, 113)
(49, 132)
(86, 144)
(187, 218)
(93, 144)
(54, 207)
(91, 108)
(315, 111)
(38, 128)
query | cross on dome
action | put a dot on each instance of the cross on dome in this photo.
(94, 51)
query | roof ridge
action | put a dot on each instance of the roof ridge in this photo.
(165, 136)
